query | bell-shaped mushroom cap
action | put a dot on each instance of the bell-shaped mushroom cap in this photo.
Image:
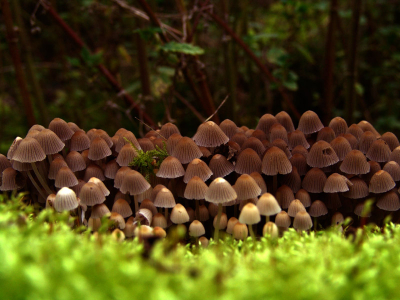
(317, 209)
(220, 191)
(259, 134)
(220, 166)
(118, 220)
(77, 188)
(326, 134)
(65, 178)
(314, 181)
(266, 122)
(381, 182)
(321, 155)
(145, 195)
(337, 183)
(79, 141)
(134, 183)
(164, 198)
(49, 141)
(271, 229)
(297, 138)
(391, 140)
(10, 180)
(393, 168)
(61, 128)
(205, 151)
(91, 194)
(362, 211)
(196, 189)
(126, 155)
(285, 120)
(358, 190)
(99, 210)
(13, 147)
(341, 146)
(281, 144)
(170, 168)
(65, 200)
(223, 222)
(299, 162)
(267, 205)
(172, 142)
(159, 221)
(260, 181)
(240, 231)
(294, 207)
(29, 151)
(155, 191)
(228, 127)
(337, 219)
(366, 140)
(93, 170)
(302, 221)
(248, 162)
(351, 139)
(4, 163)
(355, 163)
(292, 180)
(250, 214)
(36, 127)
(122, 207)
(338, 125)
(179, 214)
(210, 135)
(75, 161)
(276, 162)
(122, 141)
(389, 201)
(282, 219)
(119, 176)
(284, 196)
(254, 144)
(98, 149)
(246, 187)
(231, 223)
(19, 166)
(101, 185)
(379, 151)
(74, 127)
(111, 169)
(186, 150)
(168, 129)
(374, 167)
(146, 144)
(198, 168)
(309, 122)
(239, 138)
(277, 131)
(356, 131)
(196, 229)
(203, 213)
(395, 155)
(366, 126)
(55, 166)
(304, 197)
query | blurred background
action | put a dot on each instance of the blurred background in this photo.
(100, 63)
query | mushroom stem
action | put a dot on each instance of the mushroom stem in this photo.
(266, 219)
(216, 232)
(197, 241)
(36, 185)
(166, 213)
(50, 159)
(253, 236)
(315, 224)
(136, 203)
(42, 181)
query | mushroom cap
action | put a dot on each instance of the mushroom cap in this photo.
(220, 191)
(355, 163)
(246, 187)
(196, 229)
(231, 223)
(250, 214)
(65, 178)
(297, 138)
(179, 214)
(240, 231)
(317, 209)
(391, 140)
(122, 207)
(164, 198)
(276, 162)
(304, 197)
(284, 196)
(134, 183)
(171, 167)
(228, 127)
(210, 135)
(326, 134)
(169, 129)
(61, 129)
(341, 146)
(338, 125)
(29, 151)
(358, 190)
(195, 189)
(186, 150)
(282, 219)
(337, 183)
(126, 155)
(314, 181)
(99, 210)
(379, 151)
(49, 141)
(98, 149)
(75, 161)
(309, 122)
(285, 120)
(271, 229)
(198, 168)
(91, 194)
(389, 201)
(248, 162)
(302, 221)
(294, 207)
(220, 166)
(381, 182)
(321, 155)
(393, 169)
(366, 140)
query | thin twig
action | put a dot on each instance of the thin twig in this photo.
(190, 106)
(222, 103)
(150, 128)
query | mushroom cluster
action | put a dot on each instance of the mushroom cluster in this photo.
(224, 178)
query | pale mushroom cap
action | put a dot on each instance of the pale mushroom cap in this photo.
(302, 221)
(271, 229)
(179, 214)
(220, 191)
(268, 205)
(196, 229)
(240, 231)
(250, 214)
(210, 135)
(65, 200)
(294, 207)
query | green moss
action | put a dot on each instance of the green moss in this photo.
(42, 258)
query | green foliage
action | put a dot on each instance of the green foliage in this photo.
(148, 33)
(42, 258)
(184, 48)
(147, 162)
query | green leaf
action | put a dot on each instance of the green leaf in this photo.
(182, 48)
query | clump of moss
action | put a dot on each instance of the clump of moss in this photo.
(147, 162)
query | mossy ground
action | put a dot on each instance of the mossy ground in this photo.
(42, 258)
